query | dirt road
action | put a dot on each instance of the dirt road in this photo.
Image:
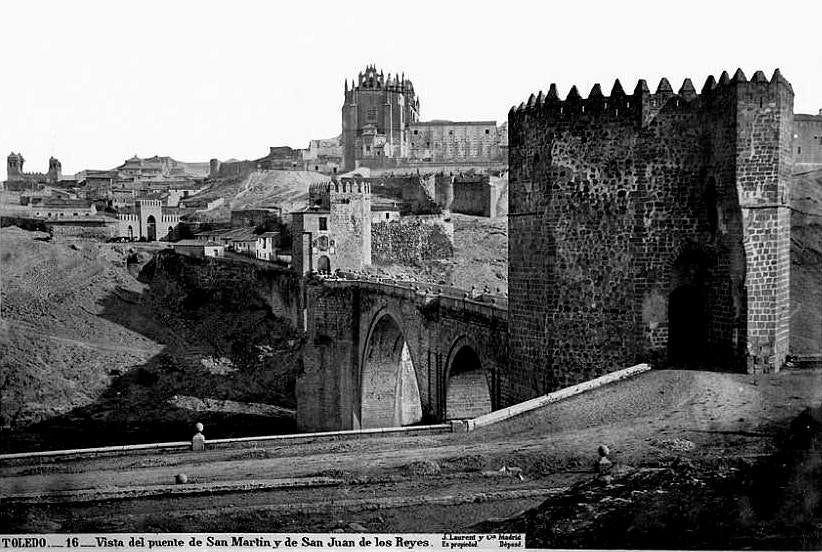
(649, 420)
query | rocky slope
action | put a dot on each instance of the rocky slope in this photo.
(286, 189)
(90, 357)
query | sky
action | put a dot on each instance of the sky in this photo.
(95, 82)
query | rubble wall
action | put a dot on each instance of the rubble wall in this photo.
(411, 240)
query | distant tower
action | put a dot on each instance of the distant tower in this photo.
(375, 116)
(55, 173)
(350, 222)
(335, 231)
(214, 168)
(14, 166)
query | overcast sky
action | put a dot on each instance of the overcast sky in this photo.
(93, 83)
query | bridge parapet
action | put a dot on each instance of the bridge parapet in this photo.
(450, 297)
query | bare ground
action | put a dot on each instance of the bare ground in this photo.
(708, 418)
(81, 346)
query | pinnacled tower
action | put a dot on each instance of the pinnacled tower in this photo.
(376, 113)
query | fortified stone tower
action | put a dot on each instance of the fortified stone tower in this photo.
(350, 205)
(375, 118)
(55, 170)
(14, 166)
(649, 227)
(335, 231)
(214, 168)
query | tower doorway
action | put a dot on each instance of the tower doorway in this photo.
(687, 327)
(151, 228)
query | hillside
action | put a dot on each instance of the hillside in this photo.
(287, 189)
(197, 169)
(90, 355)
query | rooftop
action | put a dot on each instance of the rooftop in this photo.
(232, 234)
(440, 122)
(309, 211)
(54, 202)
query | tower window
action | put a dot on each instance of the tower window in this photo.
(487, 131)
(323, 223)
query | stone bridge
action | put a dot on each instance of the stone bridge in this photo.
(383, 354)
(377, 353)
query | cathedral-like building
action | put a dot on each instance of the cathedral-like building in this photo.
(381, 129)
(375, 118)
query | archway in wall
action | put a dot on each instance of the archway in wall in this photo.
(687, 327)
(467, 392)
(151, 228)
(688, 320)
(324, 265)
(130, 233)
(390, 395)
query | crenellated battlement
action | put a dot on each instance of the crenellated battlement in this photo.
(371, 80)
(350, 185)
(321, 194)
(660, 216)
(641, 105)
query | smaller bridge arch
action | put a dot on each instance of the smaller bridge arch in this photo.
(467, 389)
(389, 389)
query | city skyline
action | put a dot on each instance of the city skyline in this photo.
(94, 84)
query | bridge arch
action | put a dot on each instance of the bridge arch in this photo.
(389, 388)
(467, 389)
